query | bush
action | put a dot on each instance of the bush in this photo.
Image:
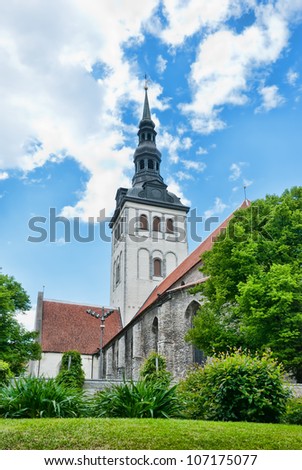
(293, 413)
(154, 370)
(33, 397)
(142, 399)
(190, 393)
(5, 372)
(237, 387)
(71, 373)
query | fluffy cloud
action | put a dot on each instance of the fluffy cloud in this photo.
(193, 165)
(218, 208)
(226, 62)
(51, 97)
(271, 98)
(173, 144)
(292, 77)
(4, 175)
(235, 172)
(161, 64)
(186, 18)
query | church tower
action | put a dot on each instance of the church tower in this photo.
(149, 238)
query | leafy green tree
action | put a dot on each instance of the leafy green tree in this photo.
(71, 372)
(154, 370)
(17, 345)
(253, 296)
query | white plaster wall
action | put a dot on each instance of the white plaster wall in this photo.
(49, 365)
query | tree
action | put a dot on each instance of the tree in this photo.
(71, 372)
(253, 296)
(17, 345)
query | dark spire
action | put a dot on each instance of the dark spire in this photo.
(146, 111)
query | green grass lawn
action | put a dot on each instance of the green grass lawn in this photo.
(154, 434)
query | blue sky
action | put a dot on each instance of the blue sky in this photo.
(225, 87)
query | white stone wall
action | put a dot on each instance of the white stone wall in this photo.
(49, 364)
(136, 250)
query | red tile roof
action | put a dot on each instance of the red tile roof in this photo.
(67, 326)
(192, 260)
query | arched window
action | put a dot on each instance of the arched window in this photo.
(141, 164)
(169, 226)
(198, 356)
(157, 267)
(118, 271)
(156, 224)
(155, 334)
(157, 166)
(150, 164)
(148, 136)
(143, 222)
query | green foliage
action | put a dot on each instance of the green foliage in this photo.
(293, 413)
(33, 397)
(5, 372)
(71, 373)
(253, 297)
(190, 393)
(143, 399)
(237, 387)
(154, 370)
(17, 345)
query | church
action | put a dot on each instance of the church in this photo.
(151, 305)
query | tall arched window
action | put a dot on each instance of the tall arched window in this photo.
(198, 356)
(157, 267)
(156, 224)
(118, 270)
(155, 334)
(141, 164)
(169, 226)
(143, 222)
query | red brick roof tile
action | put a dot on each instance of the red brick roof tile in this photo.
(67, 326)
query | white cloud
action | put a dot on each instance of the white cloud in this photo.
(271, 98)
(4, 175)
(161, 64)
(226, 62)
(235, 172)
(173, 144)
(201, 151)
(49, 94)
(218, 208)
(174, 187)
(292, 77)
(181, 175)
(193, 165)
(185, 18)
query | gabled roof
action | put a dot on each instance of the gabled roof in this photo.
(67, 326)
(190, 262)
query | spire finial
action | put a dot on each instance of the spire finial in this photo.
(146, 110)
